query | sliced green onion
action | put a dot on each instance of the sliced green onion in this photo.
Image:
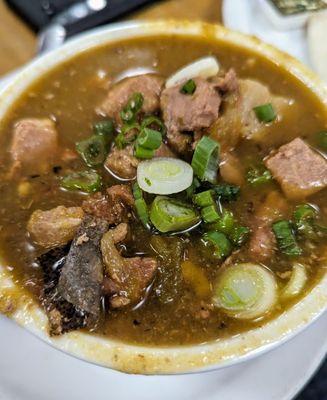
(321, 140)
(189, 87)
(296, 283)
(142, 211)
(265, 113)
(206, 159)
(134, 105)
(245, 291)
(86, 181)
(225, 222)
(239, 235)
(93, 150)
(226, 192)
(304, 216)
(204, 199)
(192, 189)
(304, 212)
(210, 214)
(105, 128)
(285, 238)
(167, 175)
(169, 215)
(154, 123)
(258, 175)
(124, 137)
(221, 243)
(140, 205)
(137, 192)
(143, 153)
(150, 139)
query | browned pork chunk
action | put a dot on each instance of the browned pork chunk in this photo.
(34, 145)
(149, 85)
(114, 206)
(188, 112)
(122, 163)
(299, 170)
(55, 227)
(80, 282)
(262, 243)
(128, 277)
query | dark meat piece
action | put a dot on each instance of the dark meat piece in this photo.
(114, 206)
(63, 316)
(262, 243)
(128, 277)
(55, 227)
(149, 85)
(82, 274)
(34, 145)
(189, 113)
(299, 170)
(122, 163)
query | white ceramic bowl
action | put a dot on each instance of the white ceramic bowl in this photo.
(154, 360)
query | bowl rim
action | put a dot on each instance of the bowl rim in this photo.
(166, 360)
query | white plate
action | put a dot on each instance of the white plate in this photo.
(32, 370)
(248, 17)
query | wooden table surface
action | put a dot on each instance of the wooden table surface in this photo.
(18, 41)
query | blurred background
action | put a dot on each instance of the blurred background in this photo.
(28, 27)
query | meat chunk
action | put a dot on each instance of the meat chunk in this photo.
(129, 277)
(227, 83)
(189, 113)
(149, 85)
(122, 163)
(299, 170)
(238, 120)
(34, 145)
(262, 243)
(63, 316)
(81, 277)
(114, 206)
(55, 227)
(164, 151)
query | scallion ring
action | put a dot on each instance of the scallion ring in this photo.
(206, 159)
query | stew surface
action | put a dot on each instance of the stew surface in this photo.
(158, 260)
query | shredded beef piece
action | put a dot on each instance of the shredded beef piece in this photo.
(55, 227)
(128, 277)
(34, 145)
(149, 85)
(299, 170)
(81, 277)
(188, 113)
(114, 206)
